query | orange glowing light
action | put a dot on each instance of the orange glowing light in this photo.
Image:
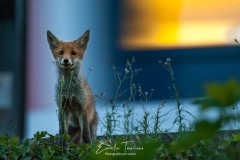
(179, 23)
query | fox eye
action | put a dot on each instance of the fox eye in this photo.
(60, 52)
(74, 53)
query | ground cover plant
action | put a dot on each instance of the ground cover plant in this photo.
(144, 138)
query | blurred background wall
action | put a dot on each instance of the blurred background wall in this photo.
(12, 67)
(198, 36)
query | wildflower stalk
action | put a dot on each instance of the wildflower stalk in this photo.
(145, 122)
(89, 71)
(125, 97)
(61, 108)
(179, 109)
(179, 119)
(157, 119)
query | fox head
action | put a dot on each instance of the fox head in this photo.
(68, 54)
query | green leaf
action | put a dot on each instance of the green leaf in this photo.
(220, 95)
(65, 137)
(149, 150)
(226, 94)
(235, 137)
(25, 147)
(14, 141)
(204, 130)
(27, 158)
(52, 137)
(45, 154)
(2, 149)
(40, 135)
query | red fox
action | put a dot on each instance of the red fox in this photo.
(76, 105)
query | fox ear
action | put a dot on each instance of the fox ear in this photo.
(52, 40)
(83, 40)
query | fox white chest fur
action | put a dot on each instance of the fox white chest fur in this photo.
(76, 106)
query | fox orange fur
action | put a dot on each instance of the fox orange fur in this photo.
(76, 105)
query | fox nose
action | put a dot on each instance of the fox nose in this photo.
(65, 61)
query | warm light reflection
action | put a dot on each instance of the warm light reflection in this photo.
(179, 23)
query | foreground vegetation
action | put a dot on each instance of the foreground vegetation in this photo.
(144, 138)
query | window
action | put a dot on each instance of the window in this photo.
(179, 23)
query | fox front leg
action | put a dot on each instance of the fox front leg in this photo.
(61, 121)
(83, 121)
(62, 125)
(93, 130)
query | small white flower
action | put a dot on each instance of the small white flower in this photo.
(126, 71)
(102, 94)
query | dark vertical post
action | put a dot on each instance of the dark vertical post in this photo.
(12, 67)
(19, 63)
